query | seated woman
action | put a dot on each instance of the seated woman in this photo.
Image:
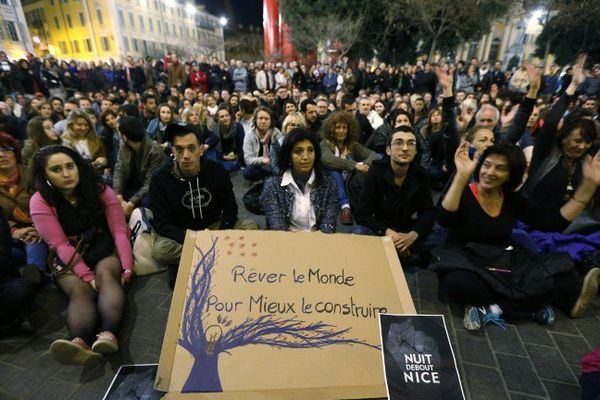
(40, 133)
(342, 154)
(16, 292)
(230, 136)
(292, 121)
(481, 215)
(81, 137)
(301, 198)
(257, 145)
(14, 199)
(156, 127)
(82, 221)
(192, 116)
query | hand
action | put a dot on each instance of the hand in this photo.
(128, 208)
(99, 162)
(446, 79)
(120, 198)
(266, 161)
(27, 235)
(535, 79)
(591, 169)
(578, 73)
(362, 168)
(506, 118)
(93, 284)
(405, 240)
(464, 165)
(126, 276)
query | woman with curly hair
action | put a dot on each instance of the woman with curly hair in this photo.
(82, 221)
(257, 145)
(342, 154)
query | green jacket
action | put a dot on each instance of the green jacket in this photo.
(150, 158)
(359, 154)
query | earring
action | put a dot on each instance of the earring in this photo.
(48, 183)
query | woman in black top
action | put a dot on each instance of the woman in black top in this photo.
(559, 154)
(484, 213)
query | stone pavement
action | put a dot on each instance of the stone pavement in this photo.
(525, 361)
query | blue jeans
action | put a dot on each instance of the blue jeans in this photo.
(341, 184)
(436, 237)
(33, 253)
(210, 154)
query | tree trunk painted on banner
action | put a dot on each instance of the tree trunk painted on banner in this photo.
(204, 376)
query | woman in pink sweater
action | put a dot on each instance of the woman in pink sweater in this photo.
(82, 221)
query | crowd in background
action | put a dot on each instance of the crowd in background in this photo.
(414, 152)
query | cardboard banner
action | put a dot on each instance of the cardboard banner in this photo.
(264, 314)
(418, 358)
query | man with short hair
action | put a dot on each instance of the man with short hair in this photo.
(85, 103)
(488, 116)
(189, 193)
(309, 110)
(70, 105)
(322, 108)
(149, 102)
(395, 200)
(349, 105)
(498, 76)
(57, 105)
(138, 158)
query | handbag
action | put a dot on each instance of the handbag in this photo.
(143, 240)
(513, 272)
(92, 246)
(251, 199)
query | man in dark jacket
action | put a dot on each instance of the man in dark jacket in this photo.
(138, 158)
(189, 193)
(395, 200)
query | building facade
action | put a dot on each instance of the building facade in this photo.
(14, 36)
(93, 29)
(511, 40)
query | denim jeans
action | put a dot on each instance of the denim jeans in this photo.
(436, 237)
(341, 184)
(255, 174)
(33, 253)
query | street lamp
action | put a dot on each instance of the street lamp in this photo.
(223, 21)
(190, 9)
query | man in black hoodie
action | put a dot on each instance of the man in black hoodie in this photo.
(189, 193)
(395, 200)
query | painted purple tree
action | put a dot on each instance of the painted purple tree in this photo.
(206, 343)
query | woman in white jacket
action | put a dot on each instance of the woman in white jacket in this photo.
(257, 145)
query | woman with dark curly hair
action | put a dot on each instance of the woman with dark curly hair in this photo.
(82, 221)
(257, 145)
(301, 197)
(342, 154)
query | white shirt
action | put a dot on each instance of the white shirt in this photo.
(303, 214)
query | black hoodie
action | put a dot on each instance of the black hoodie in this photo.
(191, 203)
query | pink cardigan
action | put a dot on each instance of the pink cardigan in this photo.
(47, 224)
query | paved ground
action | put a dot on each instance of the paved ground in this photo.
(525, 361)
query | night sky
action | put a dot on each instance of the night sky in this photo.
(246, 12)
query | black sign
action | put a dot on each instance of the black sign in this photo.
(134, 382)
(418, 359)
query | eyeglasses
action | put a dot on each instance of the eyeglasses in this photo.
(7, 148)
(411, 144)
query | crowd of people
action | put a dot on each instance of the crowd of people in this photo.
(487, 176)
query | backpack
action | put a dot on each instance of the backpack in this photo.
(142, 238)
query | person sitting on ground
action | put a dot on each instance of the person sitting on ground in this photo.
(480, 216)
(395, 199)
(15, 180)
(309, 110)
(192, 117)
(81, 220)
(138, 158)
(229, 148)
(16, 292)
(81, 137)
(302, 197)
(40, 133)
(342, 154)
(292, 121)
(257, 145)
(204, 189)
(156, 127)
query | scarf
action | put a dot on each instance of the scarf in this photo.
(265, 142)
(224, 134)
